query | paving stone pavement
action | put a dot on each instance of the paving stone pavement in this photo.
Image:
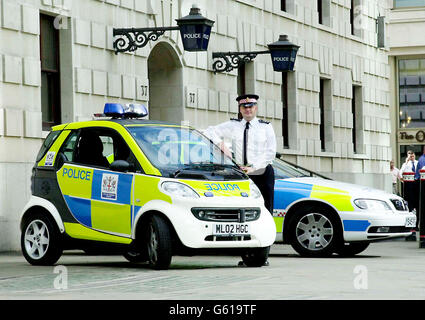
(386, 270)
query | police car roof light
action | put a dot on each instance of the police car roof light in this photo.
(132, 110)
(114, 110)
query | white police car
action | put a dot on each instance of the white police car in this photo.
(319, 216)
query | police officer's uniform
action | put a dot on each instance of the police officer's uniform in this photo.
(253, 144)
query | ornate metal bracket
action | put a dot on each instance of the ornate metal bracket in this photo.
(131, 39)
(227, 61)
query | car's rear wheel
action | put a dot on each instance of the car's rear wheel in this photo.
(255, 257)
(350, 249)
(315, 231)
(40, 240)
(159, 243)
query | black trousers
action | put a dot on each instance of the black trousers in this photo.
(265, 182)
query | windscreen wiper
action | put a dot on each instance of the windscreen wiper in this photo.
(219, 166)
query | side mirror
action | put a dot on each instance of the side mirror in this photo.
(121, 166)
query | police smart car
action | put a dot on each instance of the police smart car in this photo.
(146, 189)
(319, 216)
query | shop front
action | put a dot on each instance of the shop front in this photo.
(411, 120)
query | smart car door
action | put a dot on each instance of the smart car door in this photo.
(97, 197)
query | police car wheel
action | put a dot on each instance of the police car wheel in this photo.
(159, 243)
(315, 232)
(255, 257)
(40, 240)
(350, 249)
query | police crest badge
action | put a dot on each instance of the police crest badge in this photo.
(109, 186)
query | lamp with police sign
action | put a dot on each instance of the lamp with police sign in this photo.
(282, 52)
(194, 29)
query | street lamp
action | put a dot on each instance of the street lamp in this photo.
(194, 29)
(283, 54)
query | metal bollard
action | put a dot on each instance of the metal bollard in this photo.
(421, 214)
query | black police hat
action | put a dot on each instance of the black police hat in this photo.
(247, 100)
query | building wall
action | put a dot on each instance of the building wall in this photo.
(404, 21)
(92, 74)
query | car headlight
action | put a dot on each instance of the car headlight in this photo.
(179, 189)
(370, 204)
(254, 191)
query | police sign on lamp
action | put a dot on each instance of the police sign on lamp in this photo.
(195, 30)
(283, 54)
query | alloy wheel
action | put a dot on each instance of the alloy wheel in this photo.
(152, 244)
(37, 239)
(314, 231)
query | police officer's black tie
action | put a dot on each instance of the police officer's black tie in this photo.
(245, 144)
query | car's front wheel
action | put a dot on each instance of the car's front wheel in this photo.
(159, 243)
(40, 240)
(315, 232)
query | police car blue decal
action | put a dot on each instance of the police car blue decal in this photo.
(80, 208)
(356, 225)
(293, 192)
(122, 193)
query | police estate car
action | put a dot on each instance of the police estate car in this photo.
(319, 216)
(146, 189)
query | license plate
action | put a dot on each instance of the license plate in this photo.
(410, 222)
(226, 229)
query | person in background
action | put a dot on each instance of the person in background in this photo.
(395, 174)
(421, 164)
(410, 164)
(411, 188)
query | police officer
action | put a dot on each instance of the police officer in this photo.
(253, 145)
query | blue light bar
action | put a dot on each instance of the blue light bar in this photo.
(114, 110)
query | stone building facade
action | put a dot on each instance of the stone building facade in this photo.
(58, 65)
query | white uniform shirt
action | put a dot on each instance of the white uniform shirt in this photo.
(407, 167)
(261, 140)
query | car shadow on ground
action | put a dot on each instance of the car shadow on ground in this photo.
(91, 260)
(334, 256)
(144, 265)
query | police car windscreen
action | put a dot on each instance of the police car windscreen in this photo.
(170, 148)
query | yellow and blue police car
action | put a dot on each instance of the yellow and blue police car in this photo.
(145, 189)
(318, 216)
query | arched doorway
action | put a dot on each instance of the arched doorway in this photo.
(166, 94)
